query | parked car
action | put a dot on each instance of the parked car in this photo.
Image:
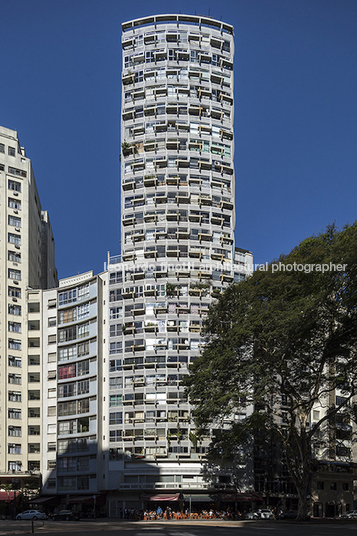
(265, 513)
(32, 514)
(252, 515)
(350, 515)
(65, 515)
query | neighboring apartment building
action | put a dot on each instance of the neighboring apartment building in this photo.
(27, 265)
(178, 251)
(73, 362)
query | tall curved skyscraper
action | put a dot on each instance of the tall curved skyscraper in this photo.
(178, 251)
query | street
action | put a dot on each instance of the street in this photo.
(183, 528)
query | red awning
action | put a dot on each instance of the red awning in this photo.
(7, 495)
(160, 498)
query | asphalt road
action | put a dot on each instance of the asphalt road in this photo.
(182, 528)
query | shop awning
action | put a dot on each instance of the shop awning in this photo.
(7, 495)
(87, 499)
(41, 500)
(241, 497)
(161, 497)
(199, 498)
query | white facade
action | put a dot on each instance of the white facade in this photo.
(73, 364)
(178, 249)
(26, 267)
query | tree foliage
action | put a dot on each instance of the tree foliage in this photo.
(283, 343)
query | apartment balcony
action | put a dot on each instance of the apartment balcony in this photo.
(158, 274)
(227, 278)
(173, 252)
(129, 295)
(150, 146)
(160, 199)
(204, 93)
(217, 114)
(217, 256)
(160, 127)
(216, 79)
(227, 205)
(195, 328)
(128, 185)
(204, 274)
(137, 130)
(150, 328)
(182, 309)
(150, 292)
(205, 200)
(173, 145)
(129, 221)
(131, 256)
(217, 220)
(162, 310)
(207, 236)
(150, 254)
(138, 237)
(204, 129)
(173, 181)
(128, 79)
(173, 216)
(195, 218)
(139, 94)
(128, 330)
(227, 240)
(182, 199)
(204, 57)
(172, 109)
(137, 275)
(184, 274)
(137, 166)
(137, 347)
(150, 218)
(195, 292)
(181, 163)
(175, 328)
(138, 312)
(216, 42)
(183, 346)
(160, 235)
(160, 92)
(183, 234)
(151, 110)
(195, 253)
(150, 181)
(226, 99)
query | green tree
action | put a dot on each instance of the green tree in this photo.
(283, 342)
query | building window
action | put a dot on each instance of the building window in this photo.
(14, 361)
(14, 466)
(34, 413)
(14, 431)
(67, 297)
(14, 239)
(83, 331)
(33, 360)
(52, 357)
(2, 148)
(14, 309)
(14, 185)
(34, 394)
(34, 448)
(52, 339)
(345, 486)
(34, 465)
(14, 203)
(34, 430)
(14, 221)
(11, 151)
(14, 292)
(14, 326)
(13, 256)
(14, 396)
(14, 413)
(14, 274)
(51, 447)
(14, 378)
(14, 344)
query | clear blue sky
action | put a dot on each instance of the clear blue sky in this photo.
(295, 115)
